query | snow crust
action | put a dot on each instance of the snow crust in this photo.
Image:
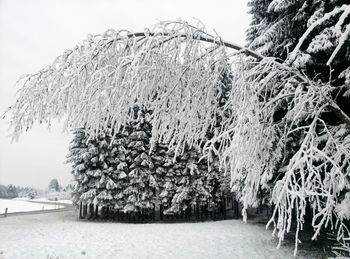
(61, 235)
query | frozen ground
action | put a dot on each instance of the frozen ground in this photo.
(61, 235)
(14, 205)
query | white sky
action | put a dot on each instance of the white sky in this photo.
(34, 32)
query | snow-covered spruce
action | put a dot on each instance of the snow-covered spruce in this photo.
(120, 175)
(311, 166)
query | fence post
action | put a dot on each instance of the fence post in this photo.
(6, 212)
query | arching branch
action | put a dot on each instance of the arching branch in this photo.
(344, 118)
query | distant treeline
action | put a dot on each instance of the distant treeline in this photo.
(11, 191)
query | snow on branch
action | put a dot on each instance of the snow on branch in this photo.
(257, 144)
(344, 10)
(174, 67)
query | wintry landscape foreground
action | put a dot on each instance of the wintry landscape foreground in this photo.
(63, 235)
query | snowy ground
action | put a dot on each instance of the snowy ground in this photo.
(14, 205)
(44, 200)
(50, 201)
(61, 235)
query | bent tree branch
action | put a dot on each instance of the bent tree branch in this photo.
(334, 107)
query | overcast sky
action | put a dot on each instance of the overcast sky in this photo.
(34, 32)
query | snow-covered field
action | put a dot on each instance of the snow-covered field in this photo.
(61, 235)
(14, 205)
(45, 200)
(51, 201)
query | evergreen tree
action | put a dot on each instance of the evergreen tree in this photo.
(119, 172)
(80, 158)
(54, 186)
(103, 170)
(189, 182)
(165, 176)
(312, 36)
(93, 165)
(312, 52)
(182, 186)
(3, 191)
(119, 153)
(12, 191)
(28, 192)
(141, 183)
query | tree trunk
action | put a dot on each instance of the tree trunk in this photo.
(223, 207)
(197, 210)
(80, 210)
(161, 212)
(96, 211)
(236, 209)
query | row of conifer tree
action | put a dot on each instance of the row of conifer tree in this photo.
(120, 174)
